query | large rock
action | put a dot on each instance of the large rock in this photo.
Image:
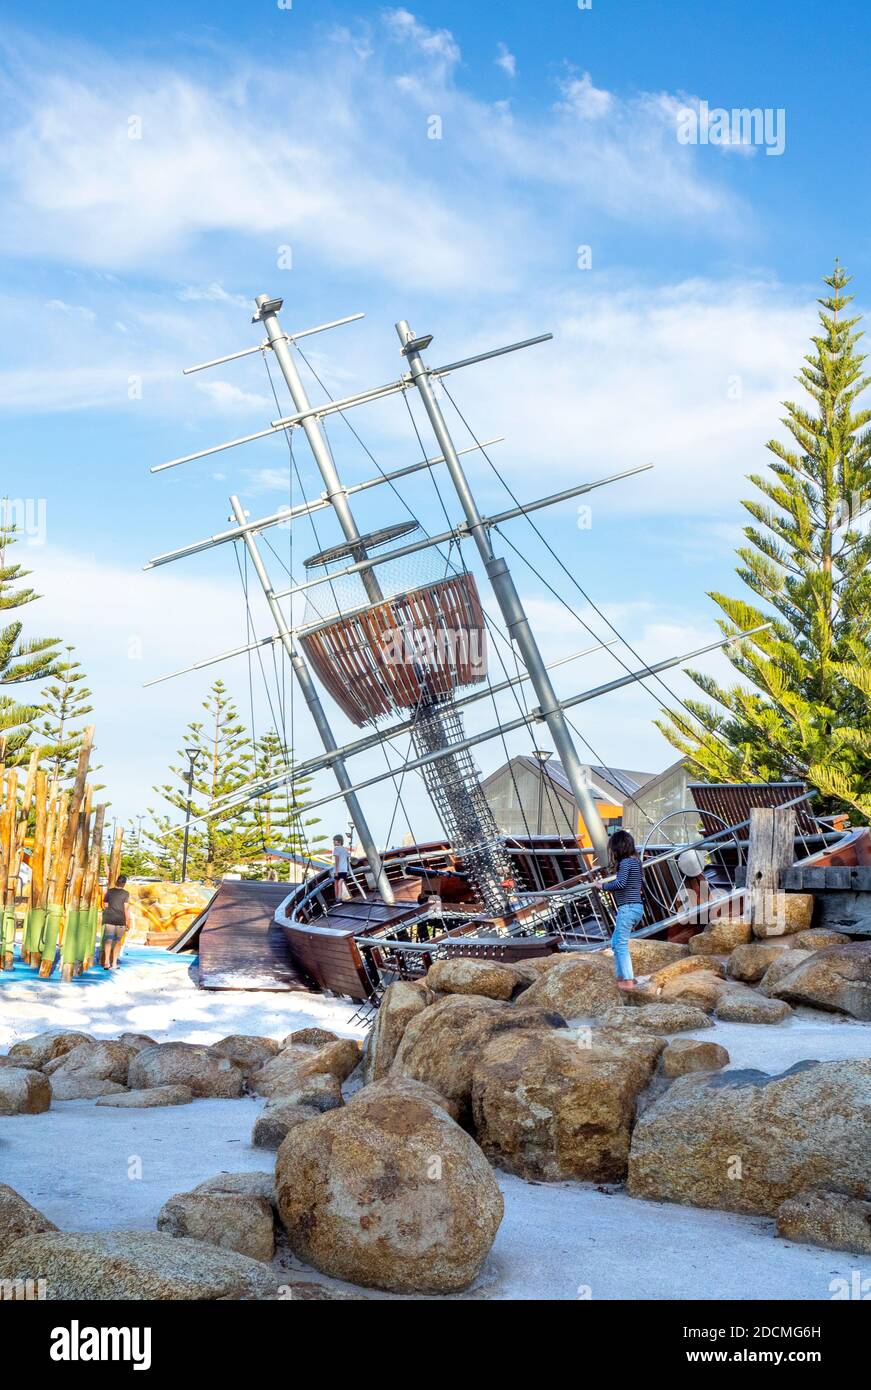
(103, 1061)
(527, 971)
(649, 955)
(137, 1041)
(535, 966)
(234, 1220)
(827, 1218)
(837, 979)
(44, 1046)
(135, 1265)
(79, 1087)
(310, 1037)
(149, 1099)
(780, 967)
(400, 1004)
(407, 1087)
(686, 1055)
(252, 1182)
(577, 986)
(284, 1074)
(721, 937)
(463, 975)
(246, 1051)
(816, 938)
(745, 1141)
(23, 1092)
(390, 1193)
(441, 1045)
(555, 1104)
(18, 1218)
(741, 1004)
(685, 965)
(322, 1090)
(185, 1064)
(783, 914)
(277, 1119)
(657, 1017)
(700, 988)
(749, 963)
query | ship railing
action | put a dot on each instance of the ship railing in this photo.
(663, 885)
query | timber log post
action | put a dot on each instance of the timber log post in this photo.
(771, 851)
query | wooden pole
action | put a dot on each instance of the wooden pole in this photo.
(115, 858)
(9, 869)
(36, 916)
(91, 888)
(64, 858)
(771, 848)
(113, 871)
(53, 897)
(73, 947)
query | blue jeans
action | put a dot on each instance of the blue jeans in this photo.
(628, 918)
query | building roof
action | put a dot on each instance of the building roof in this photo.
(620, 777)
(619, 781)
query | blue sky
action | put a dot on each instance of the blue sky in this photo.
(288, 151)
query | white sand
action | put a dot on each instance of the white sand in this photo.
(153, 992)
(557, 1240)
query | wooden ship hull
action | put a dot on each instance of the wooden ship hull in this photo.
(354, 948)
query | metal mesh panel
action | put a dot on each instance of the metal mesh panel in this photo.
(347, 593)
(454, 787)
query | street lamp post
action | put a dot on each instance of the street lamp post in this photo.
(542, 754)
(193, 757)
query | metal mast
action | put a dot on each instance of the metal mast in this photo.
(507, 597)
(313, 700)
(453, 786)
(267, 314)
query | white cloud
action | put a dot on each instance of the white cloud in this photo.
(328, 178)
(213, 294)
(506, 60)
(267, 480)
(231, 399)
(437, 46)
(581, 98)
(688, 377)
(73, 310)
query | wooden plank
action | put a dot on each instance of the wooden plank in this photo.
(240, 947)
(838, 876)
(770, 851)
(848, 912)
(814, 877)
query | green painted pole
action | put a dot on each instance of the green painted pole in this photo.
(53, 916)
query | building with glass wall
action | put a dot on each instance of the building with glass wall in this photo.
(531, 795)
(655, 807)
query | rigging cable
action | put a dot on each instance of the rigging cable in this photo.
(573, 580)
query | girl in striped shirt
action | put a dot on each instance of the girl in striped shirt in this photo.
(625, 888)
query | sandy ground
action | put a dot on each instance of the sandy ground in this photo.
(91, 1167)
(153, 992)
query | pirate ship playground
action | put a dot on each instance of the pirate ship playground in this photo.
(396, 633)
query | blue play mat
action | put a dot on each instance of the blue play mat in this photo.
(133, 955)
